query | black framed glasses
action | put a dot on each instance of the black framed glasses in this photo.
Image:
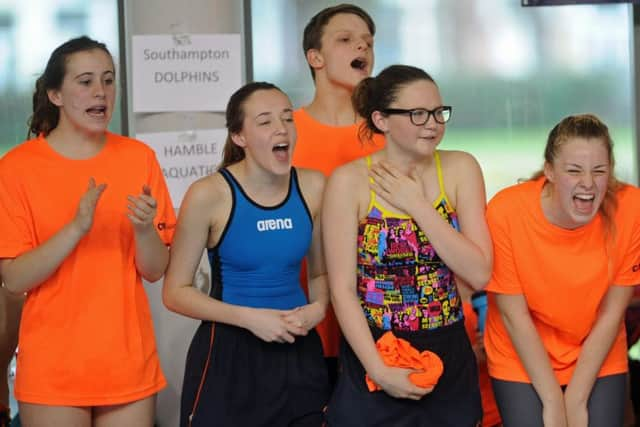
(420, 116)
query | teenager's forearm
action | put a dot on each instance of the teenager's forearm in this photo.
(533, 355)
(598, 343)
(190, 302)
(356, 330)
(26, 271)
(152, 255)
(319, 290)
(459, 253)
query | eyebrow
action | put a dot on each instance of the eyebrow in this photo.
(90, 74)
(575, 165)
(350, 32)
(268, 113)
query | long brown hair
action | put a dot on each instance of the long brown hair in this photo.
(232, 153)
(45, 116)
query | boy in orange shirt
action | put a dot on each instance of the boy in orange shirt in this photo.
(338, 46)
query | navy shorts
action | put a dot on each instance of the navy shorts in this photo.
(233, 378)
(454, 402)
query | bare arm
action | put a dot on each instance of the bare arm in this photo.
(33, 267)
(152, 255)
(195, 222)
(595, 349)
(308, 316)
(340, 244)
(468, 253)
(533, 355)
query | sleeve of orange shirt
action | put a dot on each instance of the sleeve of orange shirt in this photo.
(628, 269)
(165, 220)
(504, 278)
(17, 236)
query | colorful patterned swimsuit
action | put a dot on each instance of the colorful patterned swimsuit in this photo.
(402, 282)
(405, 287)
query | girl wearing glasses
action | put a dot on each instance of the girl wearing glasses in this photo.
(414, 216)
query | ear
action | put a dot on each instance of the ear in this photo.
(54, 97)
(239, 140)
(380, 120)
(548, 171)
(315, 58)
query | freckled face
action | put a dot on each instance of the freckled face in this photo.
(87, 95)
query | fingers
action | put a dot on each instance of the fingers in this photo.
(94, 192)
(296, 326)
(139, 205)
(142, 209)
(418, 393)
(386, 167)
(146, 196)
(285, 337)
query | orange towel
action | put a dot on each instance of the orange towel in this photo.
(400, 353)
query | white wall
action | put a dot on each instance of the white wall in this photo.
(153, 17)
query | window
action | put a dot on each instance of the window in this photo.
(29, 31)
(510, 72)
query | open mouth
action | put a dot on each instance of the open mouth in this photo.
(359, 64)
(98, 111)
(281, 147)
(584, 202)
(281, 151)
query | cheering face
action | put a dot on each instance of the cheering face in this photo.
(347, 50)
(268, 133)
(578, 179)
(87, 94)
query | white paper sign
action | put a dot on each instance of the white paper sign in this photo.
(185, 73)
(186, 156)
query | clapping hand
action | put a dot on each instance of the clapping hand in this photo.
(142, 209)
(87, 206)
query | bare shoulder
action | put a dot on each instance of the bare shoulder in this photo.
(455, 159)
(353, 174)
(460, 167)
(311, 180)
(207, 192)
(312, 187)
(462, 176)
(348, 188)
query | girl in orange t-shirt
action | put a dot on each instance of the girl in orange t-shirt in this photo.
(84, 216)
(566, 254)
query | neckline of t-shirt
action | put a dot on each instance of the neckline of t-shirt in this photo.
(556, 229)
(48, 149)
(318, 123)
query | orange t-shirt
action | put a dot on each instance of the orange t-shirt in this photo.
(86, 335)
(324, 148)
(563, 274)
(490, 413)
